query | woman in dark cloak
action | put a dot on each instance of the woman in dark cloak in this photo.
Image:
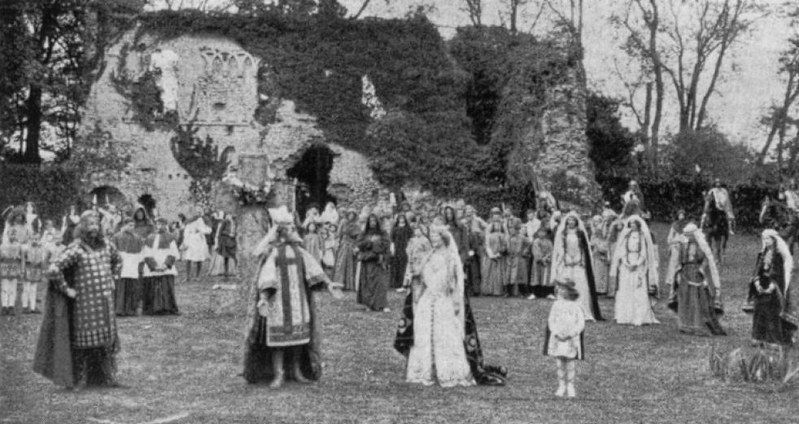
(373, 252)
(400, 235)
(774, 316)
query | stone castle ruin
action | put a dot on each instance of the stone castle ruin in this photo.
(210, 85)
(195, 119)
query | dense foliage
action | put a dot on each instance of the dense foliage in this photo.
(48, 53)
(664, 197)
(427, 137)
(611, 144)
(53, 188)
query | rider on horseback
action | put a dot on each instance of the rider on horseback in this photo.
(633, 201)
(718, 198)
(789, 196)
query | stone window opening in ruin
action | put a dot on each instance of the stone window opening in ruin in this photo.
(312, 172)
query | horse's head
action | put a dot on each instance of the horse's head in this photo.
(773, 214)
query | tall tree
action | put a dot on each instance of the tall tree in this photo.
(641, 20)
(718, 25)
(475, 10)
(779, 116)
(50, 47)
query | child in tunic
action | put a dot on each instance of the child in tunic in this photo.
(330, 248)
(564, 335)
(542, 260)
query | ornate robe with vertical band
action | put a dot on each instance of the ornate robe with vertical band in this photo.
(286, 279)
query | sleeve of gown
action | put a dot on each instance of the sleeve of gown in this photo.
(268, 278)
(314, 273)
(671, 270)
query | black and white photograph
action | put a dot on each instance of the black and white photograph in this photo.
(399, 211)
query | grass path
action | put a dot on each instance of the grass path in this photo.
(185, 368)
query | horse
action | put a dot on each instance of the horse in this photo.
(716, 226)
(778, 216)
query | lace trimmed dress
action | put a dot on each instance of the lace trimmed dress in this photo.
(438, 351)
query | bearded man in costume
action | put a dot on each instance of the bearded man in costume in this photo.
(78, 339)
(283, 331)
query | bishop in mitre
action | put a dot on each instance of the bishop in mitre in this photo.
(282, 337)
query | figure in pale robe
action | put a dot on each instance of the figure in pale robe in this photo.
(438, 352)
(571, 261)
(283, 337)
(195, 246)
(635, 269)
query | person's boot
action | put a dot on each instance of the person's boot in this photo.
(277, 367)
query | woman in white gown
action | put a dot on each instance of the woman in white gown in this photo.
(635, 269)
(571, 260)
(438, 351)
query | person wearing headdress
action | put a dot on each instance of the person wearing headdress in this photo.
(564, 335)
(437, 332)
(13, 247)
(519, 252)
(143, 224)
(614, 225)
(571, 260)
(775, 306)
(373, 253)
(283, 339)
(494, 263)
(160, 254)
(85, 272)
(695, 287)
(459, 233)
(194, 243)
(344, 271)
(311, 215)
(330, 214)
(401, 234)
(634, 267)
(438, 353)
(129, 286)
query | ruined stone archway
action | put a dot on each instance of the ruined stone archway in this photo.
(312, 172)
(105, 195)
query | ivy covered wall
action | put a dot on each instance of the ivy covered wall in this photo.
(457, 114)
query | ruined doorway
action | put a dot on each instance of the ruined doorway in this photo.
(312, 172)
(104, 195)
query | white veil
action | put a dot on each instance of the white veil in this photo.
(621, 246)
(557, 251)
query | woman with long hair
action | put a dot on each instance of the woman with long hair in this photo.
(695, 292)
(775, 316)
(373, 253)
(571, 261)
(495, 263)
(635, 269)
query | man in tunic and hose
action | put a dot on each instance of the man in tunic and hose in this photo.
(282, 337)
(78, 339)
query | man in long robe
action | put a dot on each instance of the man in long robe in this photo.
(82, 278)
(283, 335)
(158, 276)
(129, 287)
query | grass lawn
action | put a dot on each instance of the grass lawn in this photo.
(185, 369)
